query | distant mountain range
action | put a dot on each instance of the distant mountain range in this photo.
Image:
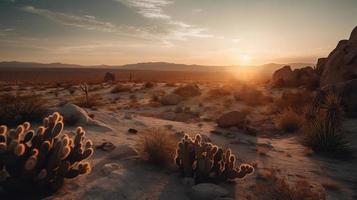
(155, 66)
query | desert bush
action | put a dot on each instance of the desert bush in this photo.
(251, 96)
(17, 108)
(149, 85)
(39, 162)
(220, 92)
(294, 100)
(288, 121)
(157, 146)
(120, 88)
(277, 188)
(206, 162)
(323, 129)
(91, 102)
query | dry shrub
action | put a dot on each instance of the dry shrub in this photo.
(120, 88)
(157, 146)
(273, 186)
(93, 101)
(288, 121)
(251, 96)
(294, 100)
(323, 129)
(220, 92)
(16, 109)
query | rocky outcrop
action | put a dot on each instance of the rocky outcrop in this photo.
(341, 63)
(233, 118)
(170, 99)
(75, 115)
(207, 191)
(187, 91)
(286, 77)
(347, 91)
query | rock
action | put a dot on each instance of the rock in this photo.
(132, 131)
(320, 65)
(341, 63)
(106, 146)
(170, 99)
(188, 181)
(348, 93)
(187, 91)
(75, 115)
(233, 118)
(286, 77)
(207, 191)
(285, 73)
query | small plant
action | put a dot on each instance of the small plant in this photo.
(271, 185)
(15, 109)
(207, 162)
(39, 161)
(323, 132)
(157, 146)
(120, 88)
(85, 90)
(288, 121)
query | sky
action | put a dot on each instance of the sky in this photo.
(206, 32)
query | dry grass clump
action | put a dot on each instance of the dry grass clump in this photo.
(220, 92)
(157, 146)
(16, 109)
(120, 88)
(323, 128)
(93, 101)
(294, 100)
(272, 186)
(251, 96)
(288, 121)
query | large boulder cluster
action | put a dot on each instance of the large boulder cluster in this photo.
(286, 77)
(339, 72)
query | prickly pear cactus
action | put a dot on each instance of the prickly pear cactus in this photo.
(206, 162)
(41, 160)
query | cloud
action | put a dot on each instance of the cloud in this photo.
(149, 8)
(175, 30)
(86, 22)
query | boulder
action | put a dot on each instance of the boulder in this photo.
(348, 93)
(233, 118)
(170, 99)
(207, 191)
(341, 63)
(285, 73)
(187, 91)
(286, 77)
(74, 115)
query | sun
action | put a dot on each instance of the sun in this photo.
(245, 59)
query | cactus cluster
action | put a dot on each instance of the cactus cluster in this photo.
(206, 162)
(42, 160)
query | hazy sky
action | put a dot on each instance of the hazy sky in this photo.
(212, 32)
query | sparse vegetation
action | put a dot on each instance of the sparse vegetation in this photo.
(323, 129)
(251, 96)
(294, 100)
(39, 162)
(157, 146)
(271, 185)
(288, 121)
(16, 108)
(120, 88)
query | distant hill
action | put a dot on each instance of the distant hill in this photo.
(156, 66)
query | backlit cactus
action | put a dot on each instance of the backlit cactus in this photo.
(42, 160)
(206, 162)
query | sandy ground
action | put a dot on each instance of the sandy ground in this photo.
(121, 173)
